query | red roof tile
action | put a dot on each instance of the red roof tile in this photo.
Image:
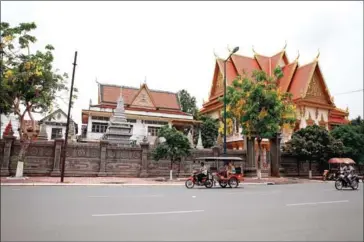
(110, 94)
(264, 63)
(244, 64)
(275, 60)
(339, 120)
(301, 79)
(285, 81)
(231, 73)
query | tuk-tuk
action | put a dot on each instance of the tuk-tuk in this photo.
(218, 167)
(334, 167)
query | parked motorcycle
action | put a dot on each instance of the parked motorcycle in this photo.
(207, 181)
(341, 182)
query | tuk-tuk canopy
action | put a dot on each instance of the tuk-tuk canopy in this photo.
(341, 161)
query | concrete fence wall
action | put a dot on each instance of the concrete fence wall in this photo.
(43, 158)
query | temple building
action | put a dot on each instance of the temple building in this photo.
(313, 101)
(146, 111)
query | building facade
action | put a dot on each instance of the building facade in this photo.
(306, 83)
(146, 110)
(56, 124)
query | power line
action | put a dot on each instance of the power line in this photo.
(359, 90)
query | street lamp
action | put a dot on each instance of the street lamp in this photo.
(231, 53)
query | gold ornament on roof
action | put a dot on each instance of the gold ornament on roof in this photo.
(254, 50)
(216, 56)
(298, 56)
(347, 109)
(318, 54)
(228, 48)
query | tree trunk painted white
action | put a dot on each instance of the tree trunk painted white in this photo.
(171, 175)
(259, 164)
(19, 169)
(310, 174)
(259, 173)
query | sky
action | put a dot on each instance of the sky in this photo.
(171, 44)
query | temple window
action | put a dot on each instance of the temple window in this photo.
(131, 120)
(100, 118)
(56, 133)
(99, 127)
(154, 122)
(153, 131)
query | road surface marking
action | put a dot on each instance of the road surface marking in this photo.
(154, 213)
(258, 193)
(142, 196)
(328, 202)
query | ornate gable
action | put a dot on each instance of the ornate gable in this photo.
(219, 87)
(316, 90)
(217, 82)
(143, 99)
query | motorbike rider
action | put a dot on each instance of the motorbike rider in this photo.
(348, 171)
(230, 170)
(203, 172)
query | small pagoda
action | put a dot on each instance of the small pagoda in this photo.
(118, 130)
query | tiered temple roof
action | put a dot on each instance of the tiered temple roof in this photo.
(306, 82)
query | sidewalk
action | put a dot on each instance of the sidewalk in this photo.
(33, 181)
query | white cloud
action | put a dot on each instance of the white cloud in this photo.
(172, 43)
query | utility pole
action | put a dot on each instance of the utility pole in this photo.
(68, 119)
(225, 84)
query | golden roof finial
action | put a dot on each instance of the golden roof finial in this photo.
(229, 49)
(285, 45)
(318, 54)
(347, 109)
(216, 56)
(298, 56)
(254, 50)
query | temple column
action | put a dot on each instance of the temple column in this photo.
(250, 151)
(103, 146)
(58, 143)
(144, 167)
(9, 140)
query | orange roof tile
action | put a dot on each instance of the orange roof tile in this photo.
(110, 94)
(264, 63)
(301, 79)
(275, 60)
(244, 64)
(230, 70)
(285, 81)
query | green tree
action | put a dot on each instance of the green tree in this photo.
(256, 104)
(357, 121)
(314, 144)
(209, 131)
(352, 136)
(188, 103)
(28, 79)
(175, 146)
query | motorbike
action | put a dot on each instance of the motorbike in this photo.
(341, 182)
(206, 181)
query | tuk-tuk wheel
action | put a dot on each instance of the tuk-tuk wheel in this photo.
(233, 182)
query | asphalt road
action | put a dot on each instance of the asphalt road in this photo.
(301, 212)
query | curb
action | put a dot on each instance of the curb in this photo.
(116, 185)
